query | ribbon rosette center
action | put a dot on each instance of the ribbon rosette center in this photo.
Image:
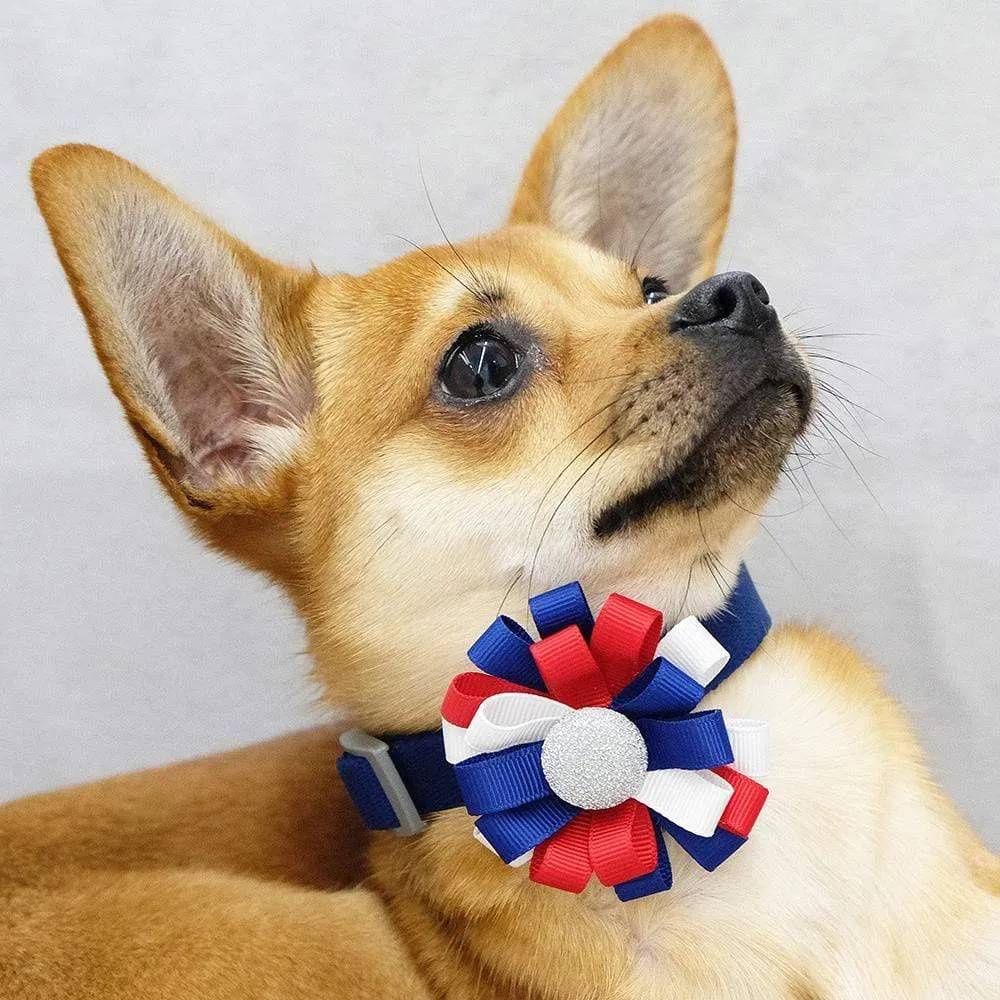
(578, 750)
(594, 758)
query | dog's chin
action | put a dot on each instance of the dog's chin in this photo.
(735, 460)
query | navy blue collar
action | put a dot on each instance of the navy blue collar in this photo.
(395, 781)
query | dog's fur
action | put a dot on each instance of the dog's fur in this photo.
(296, 420)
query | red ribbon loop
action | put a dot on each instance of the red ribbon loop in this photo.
(469, 690)
(569, 669)
(744, 806)
(563, 861)
(624, 640)
(622, 843)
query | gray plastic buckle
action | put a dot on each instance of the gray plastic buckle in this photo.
(361, 744)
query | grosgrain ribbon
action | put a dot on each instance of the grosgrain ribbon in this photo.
(617, 845)
(624, 639)
(505, 720)
(699, 784)
(569, 670)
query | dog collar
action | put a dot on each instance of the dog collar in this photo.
(579, 750)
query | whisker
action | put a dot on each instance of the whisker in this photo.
(600, 165)
(837, 394)
(845, 405)
(635, 257)
(834, 440)
(378, 548)
(833, 422)
(597, 474)
(796, 312)
(709, 559)
(604, 430)
(482, 292)
(558, 506)
(823, 506)
(371, 534)
(579, 426)
(784, 552)
(840, 361)
(381, 545)
(687, 594)
(626, 395)
(447, 270)
(759, 514)
(787, 474)
(808, 332)
(507, 592)
(603, 378)
(811, 335)
(828, 374)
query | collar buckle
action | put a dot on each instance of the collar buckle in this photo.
(376, 752)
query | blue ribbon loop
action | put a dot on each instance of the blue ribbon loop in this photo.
(516, 831)
(709, 852)
(659, 879)
(504, 650)
(693, 742)
(560, 607)
(740, 627)
(503, 779)
(661, 689)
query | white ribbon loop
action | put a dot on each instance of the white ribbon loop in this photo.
(748, 738)
(694, 800)
(512, 718)
(690, 646)
(456, 746)
(501, 721)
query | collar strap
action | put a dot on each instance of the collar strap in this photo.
(395, 781)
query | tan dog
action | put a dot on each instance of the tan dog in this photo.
(407, 452)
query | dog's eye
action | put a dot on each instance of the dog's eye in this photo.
(654, 290)
(480, 365)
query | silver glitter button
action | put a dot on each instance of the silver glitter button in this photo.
(594, 758)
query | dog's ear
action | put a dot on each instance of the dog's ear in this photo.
(639, 161)
(198, 335)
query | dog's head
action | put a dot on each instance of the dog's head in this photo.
(413, 450)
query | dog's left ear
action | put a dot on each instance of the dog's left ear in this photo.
(639, 161)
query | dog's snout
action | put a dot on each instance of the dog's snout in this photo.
(734, 301)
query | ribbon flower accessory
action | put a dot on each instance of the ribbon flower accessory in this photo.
(579, 750)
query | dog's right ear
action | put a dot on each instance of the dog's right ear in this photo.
(199, 336)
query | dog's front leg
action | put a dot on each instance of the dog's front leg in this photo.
(182, 934)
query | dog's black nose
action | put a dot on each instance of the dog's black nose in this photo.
(734, 301)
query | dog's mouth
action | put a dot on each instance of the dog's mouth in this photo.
(743, 447)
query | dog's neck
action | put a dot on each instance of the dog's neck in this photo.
(423, 632)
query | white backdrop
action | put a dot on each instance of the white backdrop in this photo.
(867, 199)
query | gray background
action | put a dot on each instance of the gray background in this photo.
(866, 197)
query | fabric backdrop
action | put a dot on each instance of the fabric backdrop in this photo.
(867, 200)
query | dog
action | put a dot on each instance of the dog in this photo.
(575, 396)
